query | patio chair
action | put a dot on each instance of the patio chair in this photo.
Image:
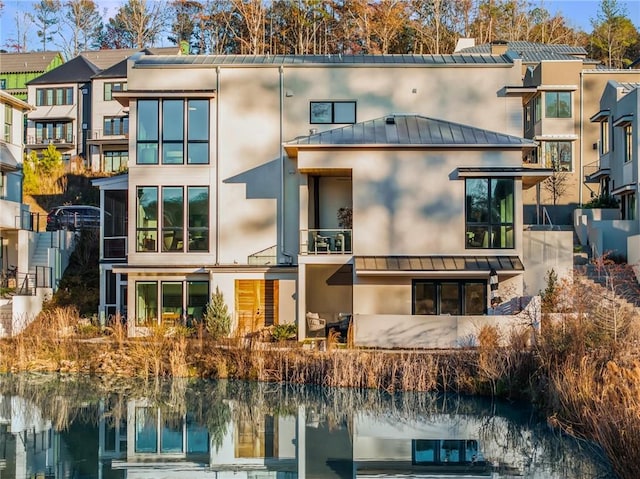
(315, 323)
(321, 243)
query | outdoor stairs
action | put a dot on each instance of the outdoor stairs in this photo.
(40, 257)
(615, 281)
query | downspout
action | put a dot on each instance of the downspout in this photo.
(581, 140)
(283, 251)
(217, 166)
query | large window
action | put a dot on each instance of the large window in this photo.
(184, 128)
(116, 125)
(147, 219)
(115, 161)
(170, 301)
(557, 155)
(8, 123)
(54, 96)
(112, 87)
(56, 131)
(489, 213)
(146, 302)
(628, 143)
(177, 216)
(455, 297)
(628, 204)
(557, 104)
(333, 112)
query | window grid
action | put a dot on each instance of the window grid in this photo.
(328, 112)
(558, 155)
(54, 96)
(454, 297)
(557, 104)
(489, 215)
(115, 125)
(8, 123)
(112, 87)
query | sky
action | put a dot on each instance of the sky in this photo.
(577, 12)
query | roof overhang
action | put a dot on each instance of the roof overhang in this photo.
(463, 265)
(556, 137)
(602, 115)
(624, 120)
(557, 87)
(124, 97)
(519, 90)
(292, 150)
(530, 176)
(8, 161)
(629, 188)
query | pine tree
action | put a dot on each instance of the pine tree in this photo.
(217, 319)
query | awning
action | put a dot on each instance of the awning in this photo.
(600, 116)
(436, 264)
(8, 162)
(629, 188)
(530, 176)
(624, 120)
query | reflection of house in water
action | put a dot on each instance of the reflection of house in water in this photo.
(27, 440)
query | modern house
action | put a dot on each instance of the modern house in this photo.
(341, 186)
(616, 231)
(560, 90)
(17, 69)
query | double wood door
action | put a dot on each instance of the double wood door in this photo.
(256, 304)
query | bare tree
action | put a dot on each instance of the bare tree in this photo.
(556, 185)
(141, 20)
(252, 15)
(23, 25)
(84, 20)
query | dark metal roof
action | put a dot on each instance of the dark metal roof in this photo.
(26, 62)
(306, 60)
(104, 59)
(412, 130)
(534, 52)
(76, 70)
(438, 263)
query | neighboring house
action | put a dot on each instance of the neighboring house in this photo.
(239, 166)
(560, 90)
(14, 214)
(17, 69)
(617, 230)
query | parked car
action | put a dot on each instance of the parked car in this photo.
(73, 217)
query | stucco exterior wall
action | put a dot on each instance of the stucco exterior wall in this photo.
(542, 251)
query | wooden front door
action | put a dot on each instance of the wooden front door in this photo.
(256, 304)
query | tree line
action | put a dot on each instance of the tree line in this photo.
(322, 27)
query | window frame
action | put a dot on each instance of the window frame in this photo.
(8, 123)
(604, 137)
(122, 123)
(627, 139)
(549, 162)
(480, 225)
(329, 118)
(462, 286)
(51, 96)
(108, 89)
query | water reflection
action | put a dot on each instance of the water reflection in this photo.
(60, 427)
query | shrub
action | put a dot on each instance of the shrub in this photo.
(283, 332)
(217, 319)
(602, 201)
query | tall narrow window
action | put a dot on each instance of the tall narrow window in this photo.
(489, 213)
(172, 132)
(197, 299)
(8, 123)
(172, 218)
(198, 134)
(198, 217)
(147, 219)
(171, 302)
(146, 302)
(147, 152)
(604, 137)
(628, 143)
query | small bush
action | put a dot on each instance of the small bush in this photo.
(602, 201)
(283, 332)
(217, 319)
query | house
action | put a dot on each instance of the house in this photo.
(239, 167)
(17, 69)
(615, 230)
(560, 89)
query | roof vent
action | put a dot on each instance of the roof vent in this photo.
(390, 120)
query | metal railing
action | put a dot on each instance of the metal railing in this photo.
(41, 140)
(264, 257)
(325, 241)
(99, 134)
(26, 284)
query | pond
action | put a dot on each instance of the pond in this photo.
(83, 427)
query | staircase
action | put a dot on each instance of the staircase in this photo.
(39, 263)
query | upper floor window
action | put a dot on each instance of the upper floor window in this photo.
(333, 112)
(3, 83)
(55, 131)
(8, 123)
(604, 137)
(489, 213)
(112, 87)
(628, 143)
(537, 109)
(173, 130)
(557, 104)
(54, 96)
(116, 125)
(557, 155)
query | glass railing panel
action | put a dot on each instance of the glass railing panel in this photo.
(326, 241)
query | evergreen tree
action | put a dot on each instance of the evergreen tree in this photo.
(46, 18)
(217, 319)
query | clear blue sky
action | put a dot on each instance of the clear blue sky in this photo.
(577, 12)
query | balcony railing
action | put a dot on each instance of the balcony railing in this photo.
(61, 140)
(100, 134)
(325, 241)
(593, 171)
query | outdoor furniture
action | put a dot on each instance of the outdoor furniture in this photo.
(321, 243)
(315, 323)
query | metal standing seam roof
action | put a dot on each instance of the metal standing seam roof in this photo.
(411, 130)
(438, 263)
(521, 46)
(308, 60)
(26, 62)
(107, 58)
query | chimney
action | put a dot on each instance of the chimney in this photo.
(499, 47)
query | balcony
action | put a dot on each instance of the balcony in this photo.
(325, 241)
(100, 136)
(37, 142)
(596, 170)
